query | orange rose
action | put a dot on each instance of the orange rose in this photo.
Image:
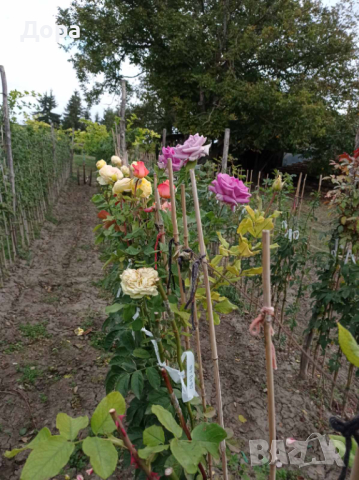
(139, 169)
(164, 189)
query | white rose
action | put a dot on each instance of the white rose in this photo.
(139, 283)
(125, 170)
(116, 160)
(123, 185)
(109, 175)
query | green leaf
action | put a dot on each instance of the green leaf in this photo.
(137, 383)
(101, 421)
(103, 455)
(222, 240)
(70, 427)
(153, 436)
(339, 443)
(132, 250)
(225, 307)
(153, 377)
(210, 435)
(113, 308)
(146, 452)
(348, 345)
(122, 384)
(141, 353)
(252, 271)
(188, 454)
(47, 460)
(43, 435)
(166, 419)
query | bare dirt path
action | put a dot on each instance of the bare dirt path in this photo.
(45, 366)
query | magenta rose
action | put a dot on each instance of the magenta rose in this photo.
(169, 152)
(230, 190)
(193, 148)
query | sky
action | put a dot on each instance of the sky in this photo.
(42, 65)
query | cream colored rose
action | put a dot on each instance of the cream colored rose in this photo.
(100, 164)
(125, 170)
(139, 283)
(115, 160)
(142, 184)
(109, 175)
(123, 185)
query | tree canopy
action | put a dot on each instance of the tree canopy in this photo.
(73, 112)
(45, 114)
(282, 74)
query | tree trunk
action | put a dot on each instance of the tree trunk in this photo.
(10, 162)
(123, 123)
(304, 360)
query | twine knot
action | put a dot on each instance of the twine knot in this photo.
(257, 325)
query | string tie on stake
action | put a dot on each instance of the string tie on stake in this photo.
(257, 325)
(348, 430)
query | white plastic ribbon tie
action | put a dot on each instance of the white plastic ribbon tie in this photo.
(292, 235)
(349, 254)
(188, 391)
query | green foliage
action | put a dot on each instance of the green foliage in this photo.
(45, 114)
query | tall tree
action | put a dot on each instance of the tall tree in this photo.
(109, 117)
(97, 118)
(277, 72)
(47, 104)
(73, 112)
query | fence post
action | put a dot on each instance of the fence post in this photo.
(72, 151)
(123, 123)
(10, 162)
(227, 133)
(164, 135)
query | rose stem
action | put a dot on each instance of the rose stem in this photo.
(158, 218)
(212, 331)
(177, 407)
(186, 245)
(122, 432)
(178, 341)
(195, 320)
(175, 232)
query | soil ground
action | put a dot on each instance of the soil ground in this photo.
(46, 367)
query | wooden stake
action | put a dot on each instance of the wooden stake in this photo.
(259, 179)
(355, 468)
(158, 218)
(295, 203)
(212, 331)
(10, 162)
(320, 183)
(302, 195)
(269, 360)
(72, 151)
(123, 123)
(227, 133)
(185, 241)
(164, 134)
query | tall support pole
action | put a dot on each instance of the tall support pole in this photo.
(212, 331)
(164, 136)
(227, 133)
(269, 350)
(7, 131)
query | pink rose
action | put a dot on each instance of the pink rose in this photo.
(169, 152)
(193, 148)
(230, 190)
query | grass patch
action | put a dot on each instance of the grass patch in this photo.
(29, 374)
(51, 299)
(12, 347)
(90, 162)
(35, 331)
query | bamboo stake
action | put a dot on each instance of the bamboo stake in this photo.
(355, 468)
(227, 133)
(302, 195)
(259, 179)
(175, 227)
(250, 180)
(268, 338)
(320, 183)
(247, 176)
(295, 202)
(185, 242)
(164, 134)
(212, 331)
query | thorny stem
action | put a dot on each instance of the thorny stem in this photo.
(180, 414)
(177, 339)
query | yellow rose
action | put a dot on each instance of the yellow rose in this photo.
(140, 282)
(142, 184)
(116, 160)
(109, 175)
(123, 185)
(125, 170)
(100, 164)
(278, 184)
